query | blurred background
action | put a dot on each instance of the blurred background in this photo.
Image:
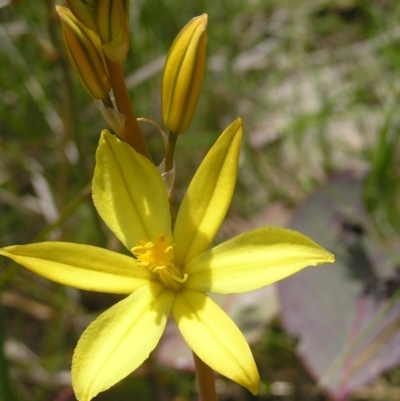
(317, 83)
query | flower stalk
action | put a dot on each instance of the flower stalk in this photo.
(131, 132)
(170, 152)
(205, 380)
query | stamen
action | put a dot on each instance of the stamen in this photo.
(158, 257)
(136, 249)
(176, 278)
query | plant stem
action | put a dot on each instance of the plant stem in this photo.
(131, 132)
(170, 153)
(107, 102)
(168, 166)
(205, 380)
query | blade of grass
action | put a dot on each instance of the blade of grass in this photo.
(6, 393)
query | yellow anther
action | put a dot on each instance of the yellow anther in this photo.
(143, 264)
(176, 278)
(158, 257)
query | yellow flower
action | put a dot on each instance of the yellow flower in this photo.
(171, 271)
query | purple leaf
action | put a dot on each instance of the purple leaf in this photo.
(348, 329)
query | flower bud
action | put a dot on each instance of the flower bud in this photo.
(113, 28)
(183, 75)
(84, 11)
(126, 4)
(85, 54)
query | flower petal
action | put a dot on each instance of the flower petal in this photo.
(81, 266)
(208, 197)
(213, 336)
(119, 340)
(253, 260)
(129, 193)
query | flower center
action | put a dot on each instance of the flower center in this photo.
(158, 257)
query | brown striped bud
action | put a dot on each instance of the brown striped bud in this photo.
(85, 54)
(113, 28)
(84, 11)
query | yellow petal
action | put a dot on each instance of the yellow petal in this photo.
(208, 197)
(253, 260)
(81, 266)
(129, 193)
(119, 340)
(213, 336)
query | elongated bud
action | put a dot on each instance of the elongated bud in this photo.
(84, 11)
(126, 4)
(85, 54)
(113, 29)
(183, 75)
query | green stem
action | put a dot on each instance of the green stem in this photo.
(168, 166)
(205, 380)
(170, 153)
(131, 132)
(107, 102)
